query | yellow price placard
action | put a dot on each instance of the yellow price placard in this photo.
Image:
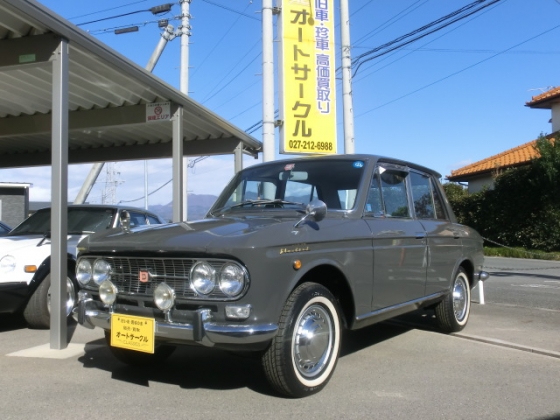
(133, 332)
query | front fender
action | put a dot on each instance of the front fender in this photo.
(45, 268)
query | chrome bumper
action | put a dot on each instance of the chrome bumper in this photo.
(202, 330)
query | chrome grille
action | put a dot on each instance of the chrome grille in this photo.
(173, 271)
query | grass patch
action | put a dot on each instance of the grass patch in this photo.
(520, 253)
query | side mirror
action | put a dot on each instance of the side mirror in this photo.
(125, 220)
(315, 210)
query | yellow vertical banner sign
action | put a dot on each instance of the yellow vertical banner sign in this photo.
(308, 90)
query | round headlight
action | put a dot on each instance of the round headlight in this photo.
(232, 279)
(203, 278)
(101, 271)
(83, 272)
(164, 297)
(108, 292)
(7, 264)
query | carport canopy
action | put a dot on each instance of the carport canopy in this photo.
(67, 98)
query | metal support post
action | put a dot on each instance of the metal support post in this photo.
(177, 164)
(238, 162)
(481, 292)
(59, 188)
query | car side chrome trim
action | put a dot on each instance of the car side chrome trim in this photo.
(395, 310)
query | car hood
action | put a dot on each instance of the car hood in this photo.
(219, 235)
(17, 244)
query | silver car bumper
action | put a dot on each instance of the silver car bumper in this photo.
(202, 330)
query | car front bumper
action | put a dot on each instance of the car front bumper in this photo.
(195, 327)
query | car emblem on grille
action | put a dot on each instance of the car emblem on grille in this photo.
(143, 276)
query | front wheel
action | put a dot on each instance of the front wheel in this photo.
(302, 357)
(452, 313)
(37, 312)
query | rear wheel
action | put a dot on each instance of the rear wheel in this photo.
(137, 358)
(302, 357)
(453, 312)
(37, 313)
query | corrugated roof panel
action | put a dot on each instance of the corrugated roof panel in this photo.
(99, 79)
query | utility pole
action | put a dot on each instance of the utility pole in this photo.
(268, 82)
(347, 105)
(185, 32)
(95, 170)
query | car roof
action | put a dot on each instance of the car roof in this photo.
(364, 157)
(103, 206)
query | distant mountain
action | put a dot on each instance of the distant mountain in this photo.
(197, 207)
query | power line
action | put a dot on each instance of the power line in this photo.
(427, 43)
(111, 29)
(107, 10)
(360, 60)
(231, 10)
(459, 71)
(217, 43)
(391, 21)
(233, 78)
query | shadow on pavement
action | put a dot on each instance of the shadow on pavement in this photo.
(207, 368)
(11, 322)
(524, 274)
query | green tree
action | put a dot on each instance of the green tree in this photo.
(523, 207)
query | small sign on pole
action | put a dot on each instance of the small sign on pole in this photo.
(158, 111)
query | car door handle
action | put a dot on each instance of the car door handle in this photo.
(421, 235)
(456, 234)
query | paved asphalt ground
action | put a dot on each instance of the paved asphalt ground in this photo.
(504, 365)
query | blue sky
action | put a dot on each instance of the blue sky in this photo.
(449, 99)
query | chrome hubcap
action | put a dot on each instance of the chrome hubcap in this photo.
(70, 297)
(460, 294)
(313, 340)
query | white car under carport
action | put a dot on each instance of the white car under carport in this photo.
(26, 251)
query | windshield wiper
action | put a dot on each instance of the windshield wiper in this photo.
(46, 236)
(276, 202)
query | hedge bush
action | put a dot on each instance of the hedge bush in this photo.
(523, 208)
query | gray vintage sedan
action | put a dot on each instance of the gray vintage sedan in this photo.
(291, 253)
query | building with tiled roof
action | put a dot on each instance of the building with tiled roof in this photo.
(482, 173)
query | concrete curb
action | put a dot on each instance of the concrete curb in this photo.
(487, 340)
(502, 343)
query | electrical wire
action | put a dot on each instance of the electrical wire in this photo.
(231, 10)
(360, 60)
(150, 193)
(232, 78)
(451, 16)
(427, 43)
(390, 21)
(145, 23)
(219, 42)
(459, 71)
(107, 10)
(112, 17)
(190, 164)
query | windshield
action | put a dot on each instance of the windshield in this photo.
(80, 220)
(293, 185)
